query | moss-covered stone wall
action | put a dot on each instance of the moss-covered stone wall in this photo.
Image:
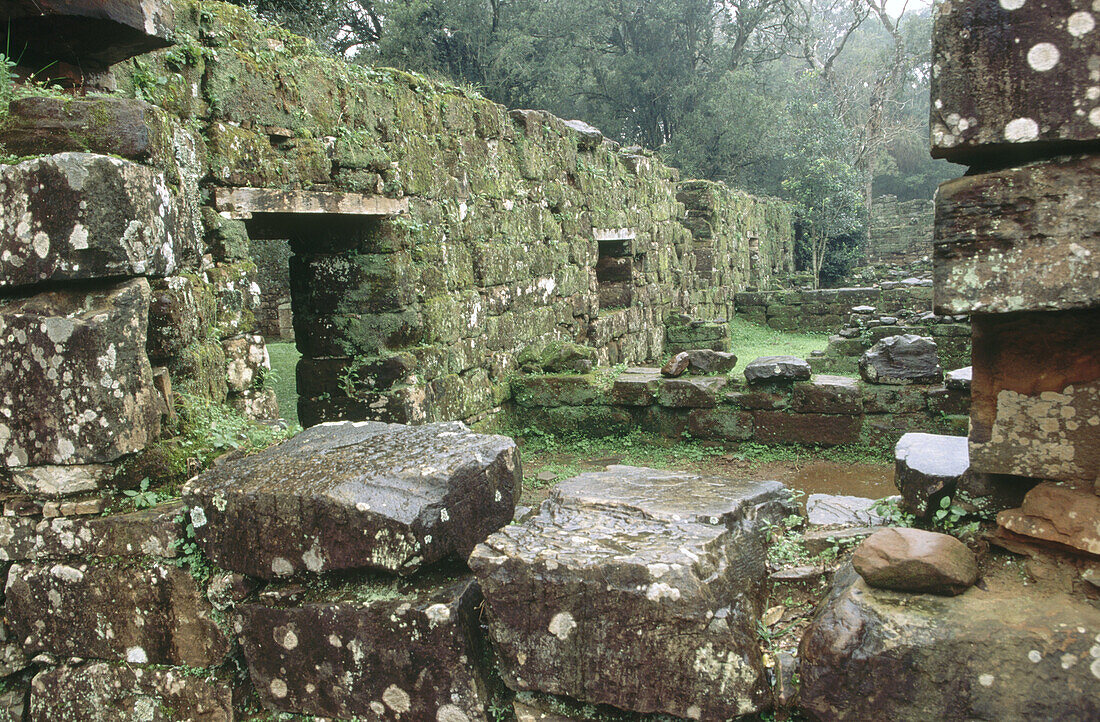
(501, 247)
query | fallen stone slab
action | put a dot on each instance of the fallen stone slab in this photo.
(777, 368)
(1014, 654)
(124, 693)
(122, 219)
(677, 365)
(915, 560)
(1023, 239)
(356, 495)
(817, 541)
(1058, 513)
(74, 364)
(929, 467)
(635, 588)
(154, 532)
(838, 510)
(369, 646)
(150, 614)
(1012, 78)
(902, 360)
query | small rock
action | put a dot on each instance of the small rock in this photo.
(900, 360)
(546, 476)
(707, 361)
(777, 368)
(914, 560)
(677, 365)
(959, 379)
(888, 320)
(863, 310)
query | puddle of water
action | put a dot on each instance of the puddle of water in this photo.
(830, 477)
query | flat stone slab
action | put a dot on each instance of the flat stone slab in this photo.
(244, 202)
(356, 495)
(928, 467)
(155, 613)
(73, 364)
(1060, 514)
(833, 510)
(88, 32)
(1017, 653)
(777, 368)
(636, 588)
(123, 693)
(368, 647)
(120, 219)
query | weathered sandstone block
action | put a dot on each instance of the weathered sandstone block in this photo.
(123, 693)
(356, 495)
(247, 361)
(147, 532)
(1035, 395)
(1013, 73)
(89, 31)
(369, 647)
(151, 614)
(637, 588)
(182, 310)
(1019, 654)
(777, 368)
(1023, 239)
(827, 395)
(123, 127)
(81, 216)
(73, 369)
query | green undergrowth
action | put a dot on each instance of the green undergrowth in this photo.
(750, 341)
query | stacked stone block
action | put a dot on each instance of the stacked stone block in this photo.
(901, 232)
(1015, 97)
(826, 310)
(822, 410)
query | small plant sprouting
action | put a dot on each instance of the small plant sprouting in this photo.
(143, 497)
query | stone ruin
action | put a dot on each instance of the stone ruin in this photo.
(370, 569)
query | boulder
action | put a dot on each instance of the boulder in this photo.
(652, 608)
(914, 560)
(1058, 513)
(902, 360)
(74, 364)
(368, 646)
(1019, 653)
(833, 510)
(123, 693)
(777, 368)
(927, 468)
(76, 216)
(677, 365)
(356, 495)
(709, 362)
(148, 614)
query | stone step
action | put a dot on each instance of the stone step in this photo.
(636, 588)
(355, 496)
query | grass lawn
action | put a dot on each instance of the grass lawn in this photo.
(284, 359)
(751, 342)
